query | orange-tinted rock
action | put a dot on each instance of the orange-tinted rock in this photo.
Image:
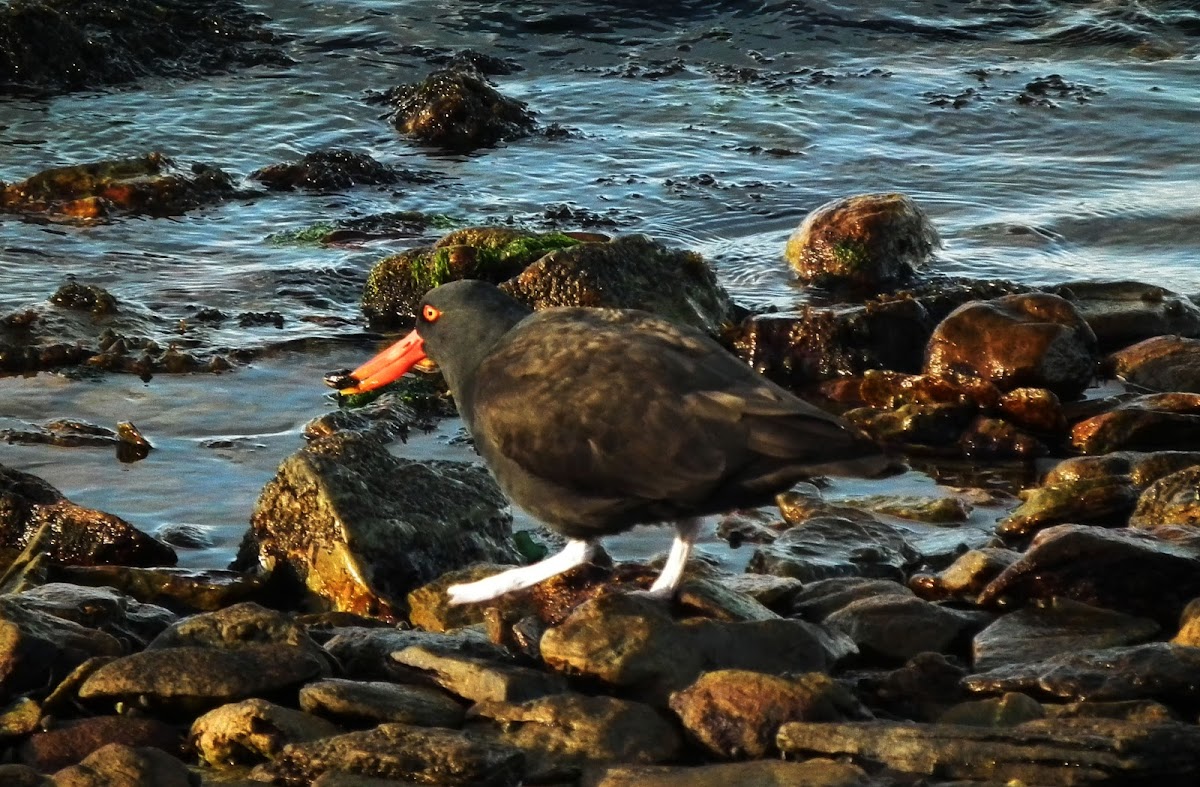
(866, 241)
(1163, 363)
(1035, 340)
(1148, 423)
(1034, 408)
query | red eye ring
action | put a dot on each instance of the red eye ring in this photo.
(429, 313)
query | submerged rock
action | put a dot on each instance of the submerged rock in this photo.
(335, 169)
(867, 241)
(458, 110)
(357, 528)
(1015, 341)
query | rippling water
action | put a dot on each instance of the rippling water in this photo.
(1049, 141)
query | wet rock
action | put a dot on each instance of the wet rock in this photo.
(1141, 711)
(149, 185)
(399, 751)
(1029, 340)
(735, 714)
(183, 589)
(23, 776)
(37, 647)
(372, 702)
(73, 534)
(1189, 625)
(1146, 423)
(1101, 501)
(818, 600)
(85, 298)
(396, 284)
(1125, 312)
(967, 576)
(631, 642)
(995, 438)
(72, 741)
(335, 169)
(827, 546)
(130, 767)
(62, 432)
(815, 772)
(56, 46)
(936, 426)
(357, 527)
(867, 241)
(100, 609)
(1163, 363)
(476, 678)
(629, 272)
(188, 679)
(566, 732)
(1036, 409)
(897, 627)
(1046, 752)
(1171, 500)
(253, 730)
(1158, 670)
(366, 653)
(457, 110)
(1007, 711)
(821, 344)
(1056, 626)
(1118, 569)
(775, 593)
(934, 510)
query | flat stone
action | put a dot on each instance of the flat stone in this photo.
(427, 755)
(372, 702)
(818, 600)
(190, 678)
(366, 653)
(565, 732)
(37, 647)
(713, 599)
(1056, 626)
(232, 627)
(253, 730)
(833, 546)
(815, 772)
(1153, 422)
(1047, 752)
(1161, 363)
(99, 608)
(1173, 499)
(479, 679)
(1157, 670)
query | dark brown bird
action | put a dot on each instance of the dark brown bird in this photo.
(596, 420)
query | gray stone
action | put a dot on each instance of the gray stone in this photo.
(898, 627)
(373, 702)
(831, 546)
(479, 679)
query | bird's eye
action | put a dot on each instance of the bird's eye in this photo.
(429, 313)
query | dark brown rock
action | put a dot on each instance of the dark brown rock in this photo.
(1118, 569)
(1163, 363)
(896, 628)
(458, 110)
(967, 576)
(1152, 422)
(478, 679)
(1102, 501)
(1171, 500)
(863, 242)
(1159, 671)
(1057, 626)
(366, 653)
(183, 589)
(399, 751)
(1047, 752)
(72, 741)
(818, 600)
(1034, 408)
(815, 772)
(1125, 312)
(129, 767)
(99, 608)
(829, 546)
(328, 170)
(735, 714)
(37, 648)
(73, 534)
(1035, 340)
(1007, 711)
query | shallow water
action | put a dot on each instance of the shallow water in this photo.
(713, 126)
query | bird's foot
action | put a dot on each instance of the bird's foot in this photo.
(474, 592)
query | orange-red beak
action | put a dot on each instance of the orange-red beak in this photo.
(391, 364)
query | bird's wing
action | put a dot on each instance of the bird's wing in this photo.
(624, 405)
